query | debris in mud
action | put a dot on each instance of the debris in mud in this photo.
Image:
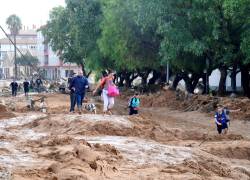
(5, 113)
(200, 103)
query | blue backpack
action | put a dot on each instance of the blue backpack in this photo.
(134, 102)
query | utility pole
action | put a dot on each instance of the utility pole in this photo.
(15, 57)
(14, 43)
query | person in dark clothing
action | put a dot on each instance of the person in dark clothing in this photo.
(72, 94)
(79, 84)
(26, 87)
(134, 104)
(221, 121)
(14, 87)
(39, 83)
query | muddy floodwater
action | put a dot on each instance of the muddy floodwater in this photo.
(158, 144)
(144, 151)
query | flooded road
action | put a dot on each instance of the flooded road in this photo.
(40, 146)
(12, 156)
(142, 151)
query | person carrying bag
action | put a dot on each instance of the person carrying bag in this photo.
(109, 92)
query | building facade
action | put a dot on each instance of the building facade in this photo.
(50, 63)
(26, 41)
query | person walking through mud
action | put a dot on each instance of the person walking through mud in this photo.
(14, 87)
(221, 120)
(39, 83)
(72, 94)
(26, 87)
(79, 85)
(134, 104)
(109, 92)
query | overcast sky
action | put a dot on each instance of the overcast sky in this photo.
(30, 11)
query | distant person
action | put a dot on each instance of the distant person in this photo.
(14, 87)
(79, 85)
(31, 84)
(134, 104)
(108, 99)
(26, 87)
(221, 120)
(72, 93)
(39, 84)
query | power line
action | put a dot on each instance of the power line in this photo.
(16, 46)
(11, 41)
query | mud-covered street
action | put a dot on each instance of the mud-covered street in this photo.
(160, 143)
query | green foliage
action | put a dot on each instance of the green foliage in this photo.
(238, 16)
(73, 31)
(143, 35)
(28, 60)
(124, 40)
(14, 24)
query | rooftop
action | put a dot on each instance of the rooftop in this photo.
(29, 32)
(30, 41)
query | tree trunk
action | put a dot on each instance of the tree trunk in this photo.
(15, 56)
(233, 78)
(144, 77)
(133, 77)
(83, 69)
(156, 76)
(223, 78)
(121, 80)
(245, 80)
(127, 79)
(204, 80)
(192, 82)
(188, 83)
(176, 81)
(88, 74)
(195, 80)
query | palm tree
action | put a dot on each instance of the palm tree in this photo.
(14, 25)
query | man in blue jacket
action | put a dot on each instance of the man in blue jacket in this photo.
(79, 85)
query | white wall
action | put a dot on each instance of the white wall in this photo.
(214, 80)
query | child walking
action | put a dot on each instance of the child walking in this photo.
(134, 104)
(221, 121)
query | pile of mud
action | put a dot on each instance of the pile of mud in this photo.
(67, 158)
(184, 102)
(5, 113)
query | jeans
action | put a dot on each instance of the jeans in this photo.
(26, 91)
(79, 99)
(14, 91)
(72, 102)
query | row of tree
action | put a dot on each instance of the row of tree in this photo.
(140, 37)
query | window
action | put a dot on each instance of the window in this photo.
(46, 60)
(32, 47)
(68, 73)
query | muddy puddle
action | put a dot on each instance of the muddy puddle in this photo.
(142, 151)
